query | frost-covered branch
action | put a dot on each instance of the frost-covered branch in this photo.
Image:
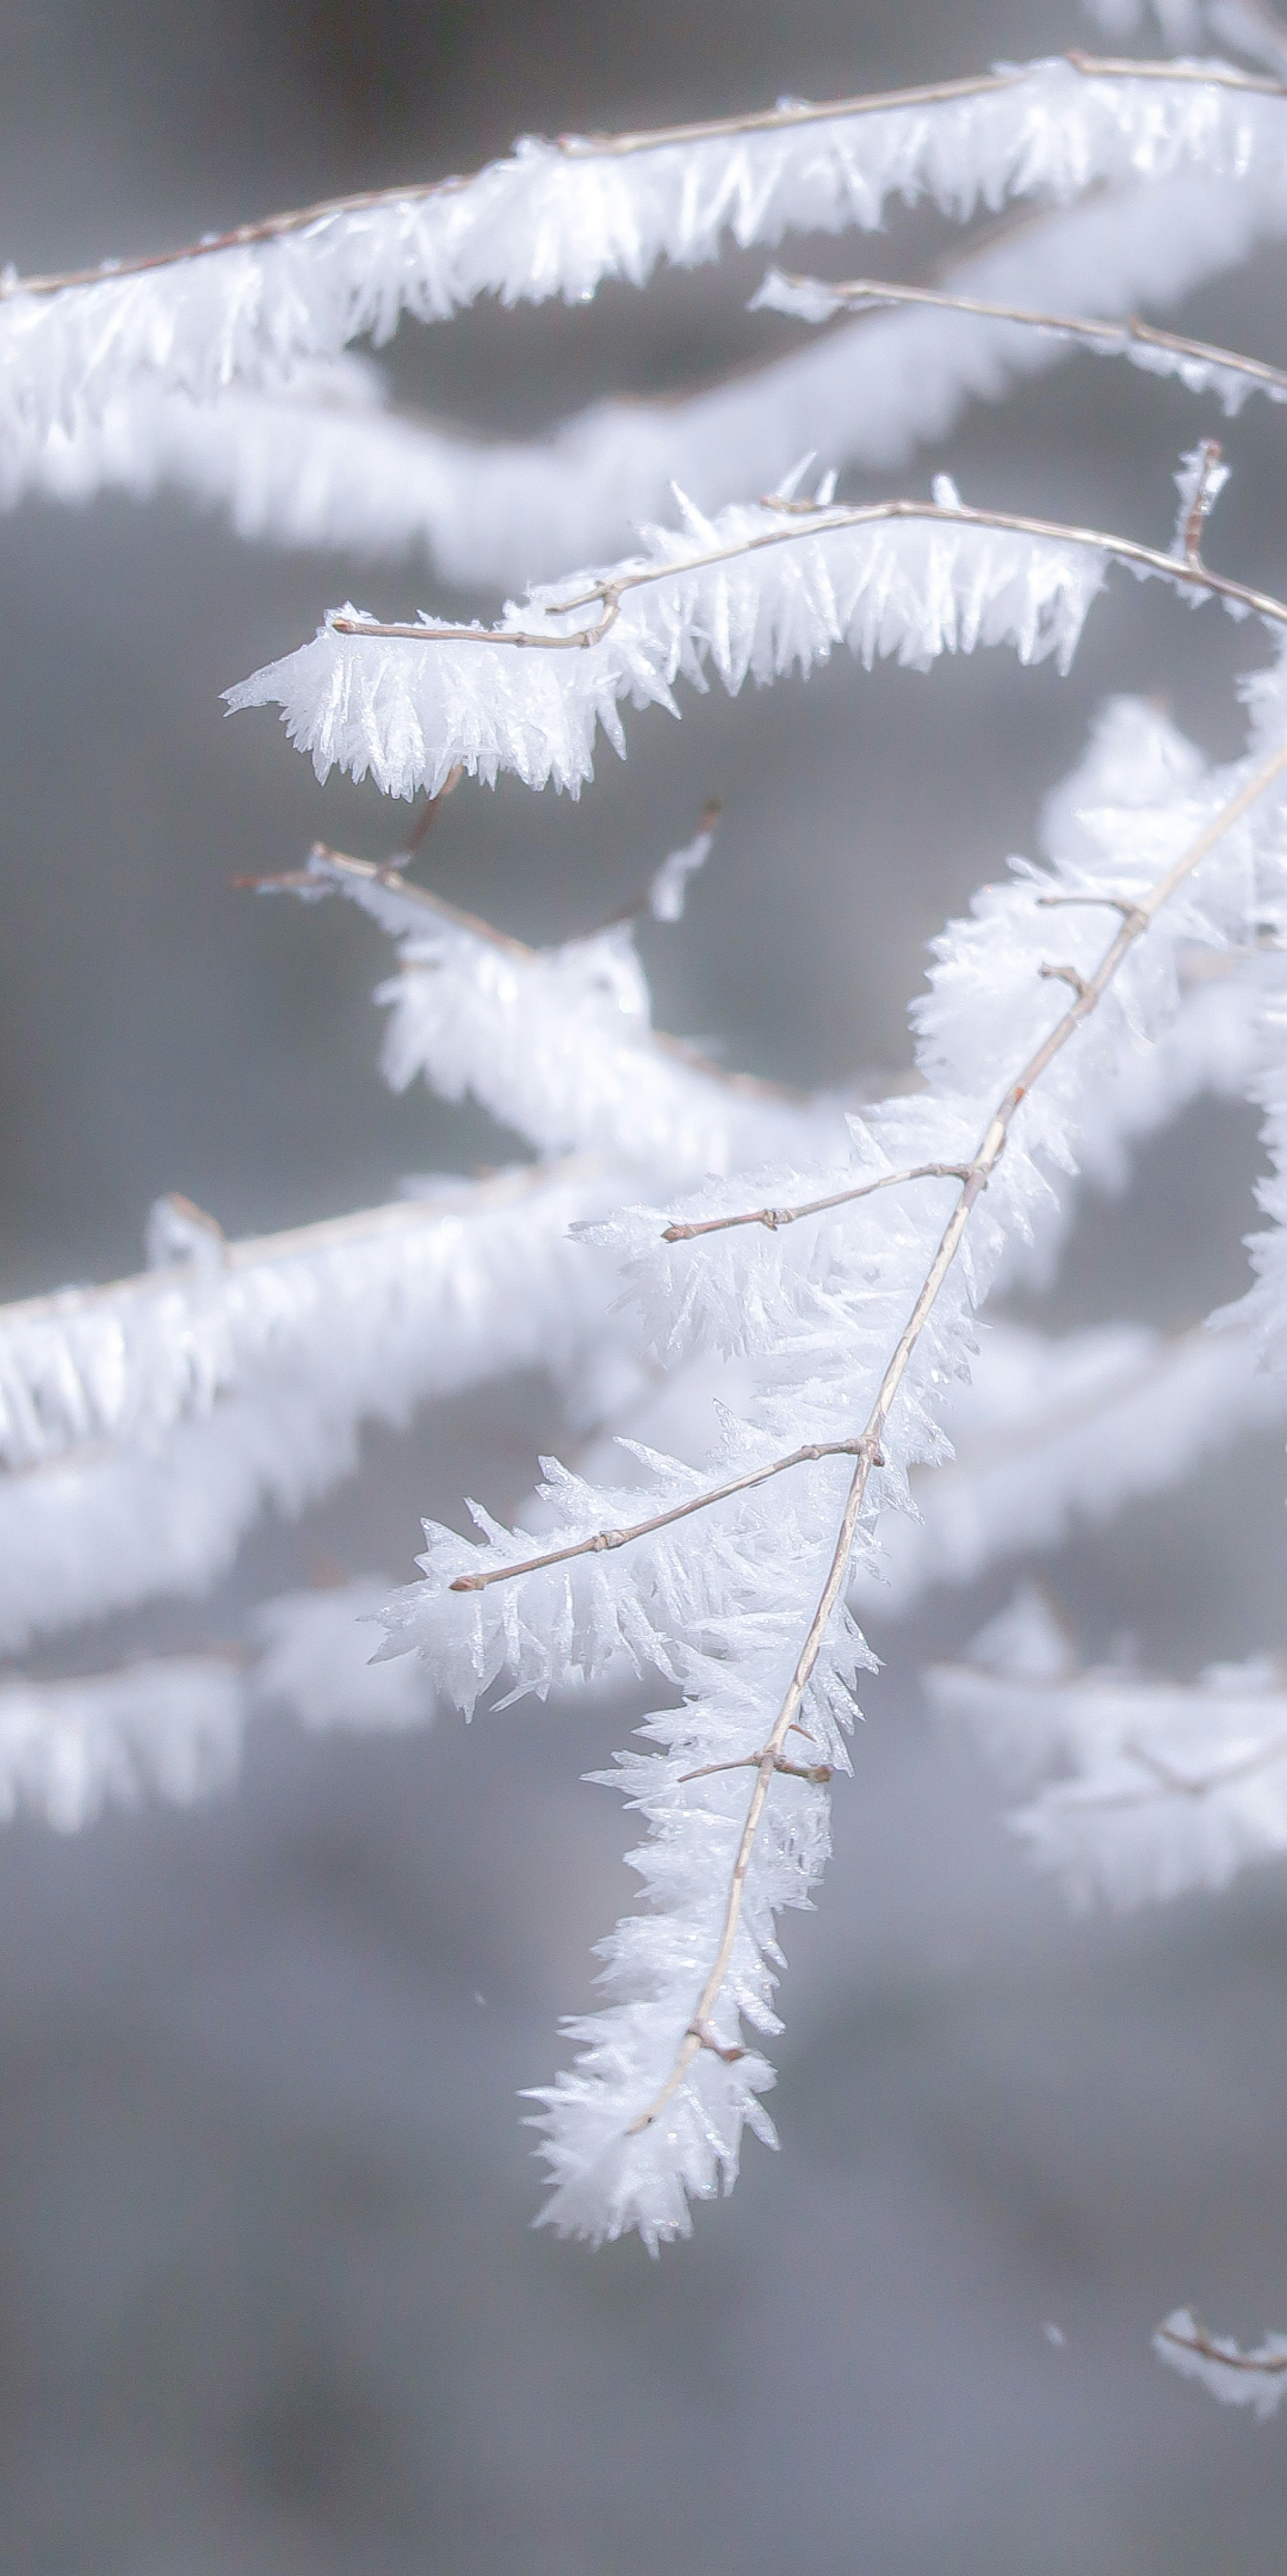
(322, 462)
(1257, 2378)
(1157, 1788)
(145, 1426)
(755, 593)
(172, 1726)
(1200, 366)
(558, 1042)
(557, 218)
(718, 1601)
(1137, 918)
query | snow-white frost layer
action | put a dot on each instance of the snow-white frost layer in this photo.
(751, 594)
(172, 1727)
(145, 1426)
(1152, 1788)
(558, 1042)
(321, 463)
(558, 218)
(719, 1601)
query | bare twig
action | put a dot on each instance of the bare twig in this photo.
(990, 1149)
(579, 147)
(775, 1217)
(1273, 2364)
(868, 293)
(804, 520)
(601, 1540)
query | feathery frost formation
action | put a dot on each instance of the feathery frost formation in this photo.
(172, 1728)
(718, 1601)
(558, 1043)
(320, 462)
(556, 219)
(1154, 1789)
(753, 593)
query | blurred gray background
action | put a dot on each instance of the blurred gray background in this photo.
(268, 2297)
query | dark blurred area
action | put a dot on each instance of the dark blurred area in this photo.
(268, 2299)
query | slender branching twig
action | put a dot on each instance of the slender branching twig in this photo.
(867, 294)
(806, 520)
(1135, 922)
(775, 1217)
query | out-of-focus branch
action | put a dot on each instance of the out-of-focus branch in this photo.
(868, 294)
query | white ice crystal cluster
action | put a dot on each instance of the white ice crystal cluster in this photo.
(718, 1600)
(322, 461)
(756, 592)
(145, 1427)
(774, 1301)
(558, 1042)
(172, 1727)
(556, 219)
(1147, 1789)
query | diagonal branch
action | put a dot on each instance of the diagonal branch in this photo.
(867, 294)
(806, 520)
(775, 1217)
(614, 1538)
(991, 1146)
(1270, 2364)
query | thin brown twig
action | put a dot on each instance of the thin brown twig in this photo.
(775, 1217)
(578, 147)
(804, 520)
(1205, 2344)
(868, 293)
(992, 1145)
(601, 1540)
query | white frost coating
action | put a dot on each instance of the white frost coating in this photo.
(407, 713)
(147, 1426)
(322, 464)
(1157, 1789)
(69, 1749)
(552, 221)
(172, 1728)
(1255, 2378)
(558, 1042)
(315, 1660)
(1049, 1435)
(719, 1602)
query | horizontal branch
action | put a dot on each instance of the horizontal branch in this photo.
(303, 1242)
(805, 520)
(602, 1540)
(868, 294)
(301, 219)
(352, 876)
(775, 1217)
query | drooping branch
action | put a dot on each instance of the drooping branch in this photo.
(816, 298)
(1136, 921)
(806, 519)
